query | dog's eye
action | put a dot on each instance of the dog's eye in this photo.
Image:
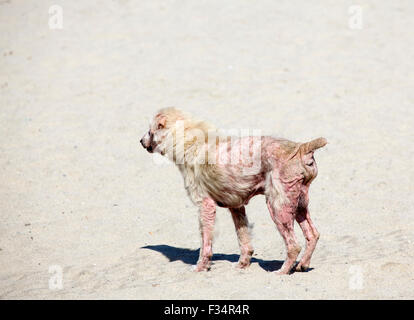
(160, 126)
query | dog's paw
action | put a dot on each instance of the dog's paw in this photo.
(283, 271)
(200, 268)
(243, 264)
(301, 268)
(280, 272)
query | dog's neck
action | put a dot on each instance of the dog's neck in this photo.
(189, 156)
(189, 149)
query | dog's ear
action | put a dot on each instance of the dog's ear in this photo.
(162, 120)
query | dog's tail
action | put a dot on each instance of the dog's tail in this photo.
(313, 145)
(306, 154)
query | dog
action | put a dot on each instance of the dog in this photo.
(228, 171)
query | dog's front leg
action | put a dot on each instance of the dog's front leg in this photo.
(207, 218)
(242, 229)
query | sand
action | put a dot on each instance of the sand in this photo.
(86, 213)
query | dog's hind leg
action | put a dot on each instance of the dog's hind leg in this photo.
(284, 219)
(241, 224)
(207, 218)
(311, 236)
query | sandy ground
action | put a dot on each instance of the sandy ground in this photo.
(79, 195)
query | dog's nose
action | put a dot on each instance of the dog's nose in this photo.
(140, 141)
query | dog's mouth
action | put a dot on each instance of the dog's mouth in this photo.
(150, 149)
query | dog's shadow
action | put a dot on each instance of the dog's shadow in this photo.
(190, 256)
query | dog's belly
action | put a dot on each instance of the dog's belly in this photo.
(233, 192)
(243, 201)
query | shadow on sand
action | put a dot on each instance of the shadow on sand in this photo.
(190, 256)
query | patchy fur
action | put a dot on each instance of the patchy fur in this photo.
(229, 171)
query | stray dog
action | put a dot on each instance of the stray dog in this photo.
(220, 172)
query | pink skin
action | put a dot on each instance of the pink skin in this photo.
(309, 231)
(293, 165)
(289, 171)
(242, 229)
(284, 222)
(207, 218)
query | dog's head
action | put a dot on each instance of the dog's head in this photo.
(159, 128)
(173, 132)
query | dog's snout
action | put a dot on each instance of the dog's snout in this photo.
(146, 144)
